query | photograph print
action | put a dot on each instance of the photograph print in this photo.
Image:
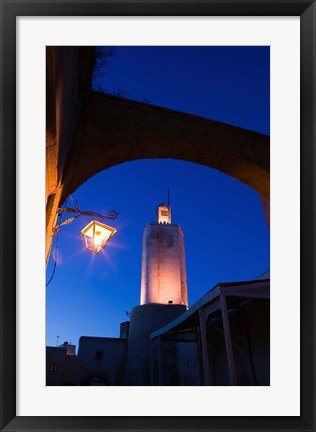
(158, 216)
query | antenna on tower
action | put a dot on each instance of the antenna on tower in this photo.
(168, 198)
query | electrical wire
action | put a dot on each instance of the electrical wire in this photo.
(56, 248)
(55, 261)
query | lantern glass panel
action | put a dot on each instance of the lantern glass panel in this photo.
(96, 235)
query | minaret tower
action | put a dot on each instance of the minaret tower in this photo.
(163, 278)
(163, 293)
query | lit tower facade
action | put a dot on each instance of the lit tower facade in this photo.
(163, 279)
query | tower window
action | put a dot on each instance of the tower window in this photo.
(53, 367)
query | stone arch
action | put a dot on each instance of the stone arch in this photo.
(113, 130)
(89, 132)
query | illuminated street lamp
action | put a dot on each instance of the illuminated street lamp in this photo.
(96, 235)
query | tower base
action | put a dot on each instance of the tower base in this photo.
(144, 320)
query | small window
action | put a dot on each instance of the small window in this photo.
(53, 367)
(99, 355)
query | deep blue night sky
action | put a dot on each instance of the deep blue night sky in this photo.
(226, 235)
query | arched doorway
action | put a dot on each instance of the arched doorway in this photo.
(94, 379)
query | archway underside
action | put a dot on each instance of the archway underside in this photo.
(113, 130)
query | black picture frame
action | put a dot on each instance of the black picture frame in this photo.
(11, 9)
